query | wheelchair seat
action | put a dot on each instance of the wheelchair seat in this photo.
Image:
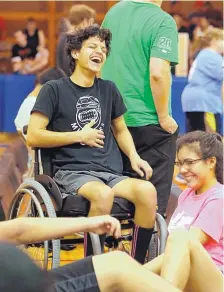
(74, 205)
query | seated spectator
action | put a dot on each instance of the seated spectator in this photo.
(114, 271)
(21, 52)
(193, 19)
(38, 64)
(79, 16)
(180, 22)
(214, 16)
(204, 90)
(200, 31)
(193, 259)
(35, 36)
(203, 26)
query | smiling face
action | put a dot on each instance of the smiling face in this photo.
(196, 171)
(92, 55)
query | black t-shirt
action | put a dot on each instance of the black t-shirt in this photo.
(22, 52)
(70, 107)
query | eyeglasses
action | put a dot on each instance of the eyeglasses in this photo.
(187, 162)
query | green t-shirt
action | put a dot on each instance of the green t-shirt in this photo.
(139, 31)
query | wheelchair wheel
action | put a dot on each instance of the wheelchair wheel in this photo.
(32, 200)
(153, 250)
(159, 237)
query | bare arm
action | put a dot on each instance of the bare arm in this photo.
(126, 144)
(38, 136)
(123, 137)
(38, 65)
(160, 82)
(200, 235)
(31, 230)
(41, 38)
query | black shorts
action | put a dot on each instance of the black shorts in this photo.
(158, 148)
(78, 276)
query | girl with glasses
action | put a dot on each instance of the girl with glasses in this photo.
(193, 259)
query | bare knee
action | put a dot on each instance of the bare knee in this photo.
(179, 236)
(120, 263)
(103, 200)
(145, 195)
(116, 272)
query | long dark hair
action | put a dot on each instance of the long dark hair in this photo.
(205, 145)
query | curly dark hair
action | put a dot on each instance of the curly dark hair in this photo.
(75, 39)
(205, 145)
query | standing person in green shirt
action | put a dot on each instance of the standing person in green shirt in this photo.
(144, 47)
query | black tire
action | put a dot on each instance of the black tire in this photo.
(39, 199)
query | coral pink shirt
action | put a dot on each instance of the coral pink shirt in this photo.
(204, 211)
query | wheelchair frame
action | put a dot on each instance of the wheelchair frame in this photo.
(42, 189)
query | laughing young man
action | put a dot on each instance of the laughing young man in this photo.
(81, 119)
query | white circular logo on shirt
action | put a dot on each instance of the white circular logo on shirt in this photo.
(88, 109)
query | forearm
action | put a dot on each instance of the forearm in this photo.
(34, 230)
(160, 86)
(47, 139)
(125, 142)
(37, 66)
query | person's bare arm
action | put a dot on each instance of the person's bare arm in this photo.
(39, 136)
(32, 230)
(17, 64)
(41, 38)
(38, 65)
(160, 82)
(126, 144)
(123, 137)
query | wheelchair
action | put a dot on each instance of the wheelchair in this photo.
(41, 197)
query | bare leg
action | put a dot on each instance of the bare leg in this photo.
(155, 265)
(201, 275)
(143, 195)
(116, 271)
(176, 260)
(101, 198)
(204, 274)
